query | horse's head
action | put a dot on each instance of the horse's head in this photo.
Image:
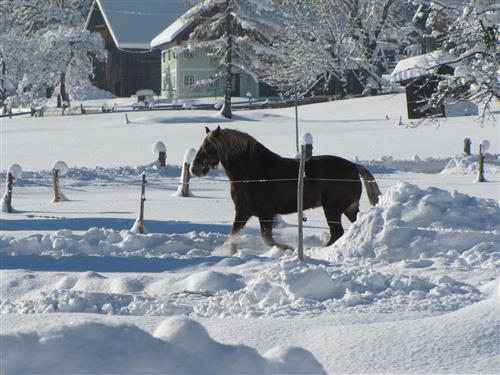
(207, 157)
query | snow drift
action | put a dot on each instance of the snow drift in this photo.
(178, 346)
(411, 223)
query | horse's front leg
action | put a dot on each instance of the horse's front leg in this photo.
(266, 229)
(240, 220)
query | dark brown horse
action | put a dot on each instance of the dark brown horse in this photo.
(264, 184)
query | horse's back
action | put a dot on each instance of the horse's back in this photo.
(331, 166)
(333, 178)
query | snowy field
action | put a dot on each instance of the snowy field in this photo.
(411, 287)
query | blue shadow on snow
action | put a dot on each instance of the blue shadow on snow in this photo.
(83, 224)
(83, 263)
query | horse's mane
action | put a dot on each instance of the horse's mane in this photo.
(231, 142)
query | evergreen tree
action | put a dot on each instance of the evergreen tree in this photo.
(236, 33)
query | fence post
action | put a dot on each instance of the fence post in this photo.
(59, 168)
(139, 223)
(467, 144)
(483, 147)
(55, 185)
(160, 149)
(296, 118)
(14, 172)
(305, 155)
(189, 155)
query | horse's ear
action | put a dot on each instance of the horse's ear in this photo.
(217, 131)
(207, 130)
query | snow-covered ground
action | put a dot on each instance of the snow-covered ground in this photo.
(412, 286)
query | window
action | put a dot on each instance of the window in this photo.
(168, 55)
(163, 56)
(188, 81)
(188, 54)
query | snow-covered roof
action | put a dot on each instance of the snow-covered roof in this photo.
(133, 23)
(421, 65)
(170, 33)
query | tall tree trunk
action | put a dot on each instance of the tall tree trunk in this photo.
(228, 75)
(3, 89)
(64, 93)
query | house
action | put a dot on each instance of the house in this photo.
(188, 74)
(127, 28)
(419, 75)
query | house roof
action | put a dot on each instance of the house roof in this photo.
(421, 65)
(170, 33)
(133, 23)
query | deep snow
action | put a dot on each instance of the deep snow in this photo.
(412, 286)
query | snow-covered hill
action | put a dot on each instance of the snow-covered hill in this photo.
(412, 286)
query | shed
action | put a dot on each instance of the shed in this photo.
(420, 76)
(127, 28)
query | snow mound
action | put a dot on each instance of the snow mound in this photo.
(468, 165)
(212, 282)
(387, 164)
(89, 93)
(411, 223)
(109, 242)
(179, 345)
(291, 287)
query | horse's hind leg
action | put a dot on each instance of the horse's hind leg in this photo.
(266, 229)
(333, 217)
(240, 220)
(352, 211)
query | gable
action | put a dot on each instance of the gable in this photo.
(133, 23)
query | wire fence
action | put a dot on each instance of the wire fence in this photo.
(214, 180)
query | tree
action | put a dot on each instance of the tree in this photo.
(43, 45)
(235, 33)
(473, 42)
(325, 41)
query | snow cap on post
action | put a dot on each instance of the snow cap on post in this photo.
(15, 170)
(485, 145)
(189, 155)
(306, 139)
(60, 166)
(159, 147)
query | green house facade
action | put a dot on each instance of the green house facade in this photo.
(192, 74)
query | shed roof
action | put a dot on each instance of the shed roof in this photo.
(133, 23)
(421, 65)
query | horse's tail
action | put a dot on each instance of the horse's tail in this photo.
(371, 186)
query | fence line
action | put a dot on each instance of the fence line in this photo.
(207, 179)
(388, 226)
